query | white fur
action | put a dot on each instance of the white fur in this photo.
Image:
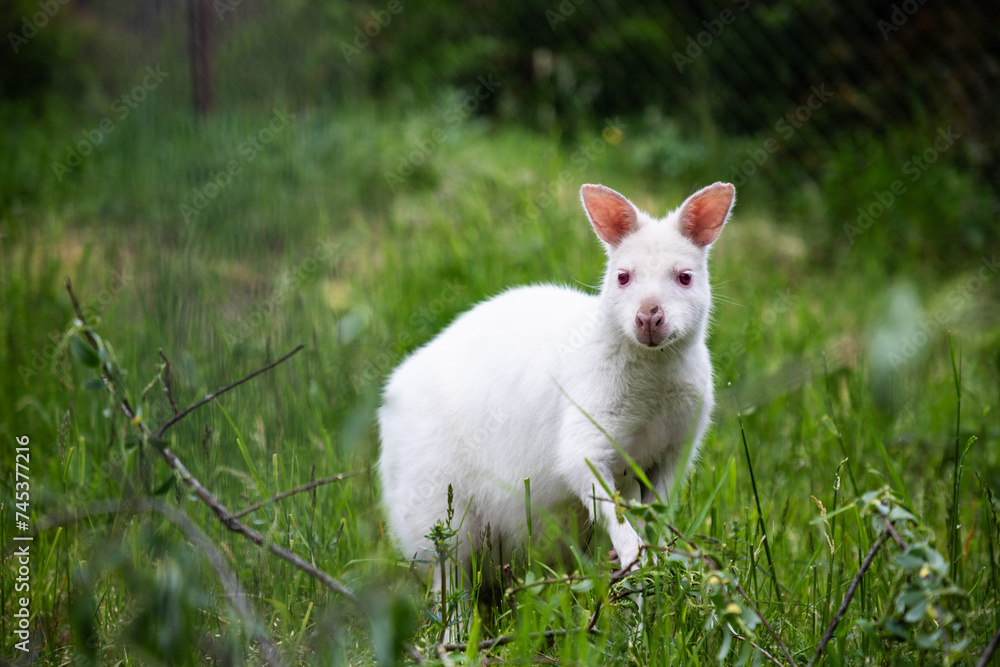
(490, 401)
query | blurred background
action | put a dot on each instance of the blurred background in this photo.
(848, 94)
(225, 179)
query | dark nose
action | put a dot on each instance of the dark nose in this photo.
(649, 319)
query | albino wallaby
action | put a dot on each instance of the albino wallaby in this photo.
(509, 389)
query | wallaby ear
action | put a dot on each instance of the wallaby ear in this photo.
(705, 212)
(612, 216)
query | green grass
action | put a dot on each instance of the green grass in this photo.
(309, 245)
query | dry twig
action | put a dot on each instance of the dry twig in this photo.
(990, 649)
(488, 644)
(762, 651)
(211, 397)
(203, 494)
(197, 537)
(848, 597)
(299, 489)
(739, 589)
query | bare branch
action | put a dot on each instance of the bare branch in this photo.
(488, 644)
(76, 304)
(211, 397)
(592, 624)
(762, 651)
(298, 489)
(414, 654)
(197, 537)
(739, 589)
(508, 575)
(848, 597)
(203, 494)
(991, 648)
(891, 529)
(235, 525)
(763, 619)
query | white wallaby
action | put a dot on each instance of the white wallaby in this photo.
(509, 389)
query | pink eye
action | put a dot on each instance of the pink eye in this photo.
(684, 278)
(623, 278)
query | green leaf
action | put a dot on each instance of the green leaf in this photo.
(83, 352)
(745, 653)
(935, 560)
(582, 586)
(895, 628)
(166, 486)
(750, 618)
(897, 513)
(959, 645)
(93, 384)
(910, 598)
(909, 560)
(868, 628)
(727, 642)
(917, 612)
(929, 641)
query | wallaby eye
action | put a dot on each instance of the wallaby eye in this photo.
(684, 278)
(623, 278)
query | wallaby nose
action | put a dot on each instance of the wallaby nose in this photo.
(649, 320)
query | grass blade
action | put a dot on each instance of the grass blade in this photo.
(953, 536)
(760, 512)
(258, 480)
(897, 481)
(710, 501)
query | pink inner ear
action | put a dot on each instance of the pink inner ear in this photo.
(612, 216)
(705, 212)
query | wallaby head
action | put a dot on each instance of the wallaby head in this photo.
(656, 290)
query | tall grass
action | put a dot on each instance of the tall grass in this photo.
(310, 245)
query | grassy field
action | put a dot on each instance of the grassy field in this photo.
(853, 372)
